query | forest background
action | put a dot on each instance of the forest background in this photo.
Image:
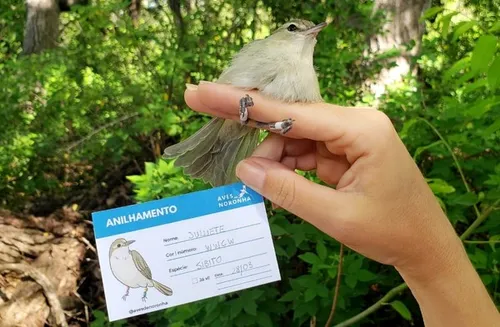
(91, 92)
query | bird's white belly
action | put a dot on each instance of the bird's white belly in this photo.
(126, 272)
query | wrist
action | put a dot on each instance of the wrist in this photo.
(438, 265)
(453, 295)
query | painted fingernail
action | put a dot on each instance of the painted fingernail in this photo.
(251, 174)
(191, 87)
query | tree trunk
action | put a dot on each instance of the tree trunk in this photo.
(401, 28)
(49, 251)
(42, 26)
(135, 11)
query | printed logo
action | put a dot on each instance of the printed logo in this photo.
(231, 199)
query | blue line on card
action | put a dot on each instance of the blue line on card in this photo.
(169, 210)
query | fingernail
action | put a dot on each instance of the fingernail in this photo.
(205, 82)
(191, 87)
(251, 174)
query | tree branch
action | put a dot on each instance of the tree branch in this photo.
(455, 159)
(337, 286)
(44, 282)
(87, 137)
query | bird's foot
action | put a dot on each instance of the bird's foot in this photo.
(245, 103)
(282, 127)
(126, 294)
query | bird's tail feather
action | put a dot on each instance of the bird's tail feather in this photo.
(214, 151)
(162, 288)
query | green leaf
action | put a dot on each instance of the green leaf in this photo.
(277, 230)
(421, 149)
(256, 293)
(322, 291)
(310, 258)
(462, 28)
(455, 68)
(264, 320)
(250, 308)
(307, 281)
(321, 250)
(406, 128)
(355, 266)
(401, 308)
(483, 53)
(482, 106)
(467, 199)
(366, 276)
(309, 294)
(446, 20)
(290, 296)
(482, 82)
(494, 73)
(439, 186)
(431, 12)
(495, 27)
(236, 306)
(351, 280)
(494, 240)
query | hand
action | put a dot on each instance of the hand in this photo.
(381, 206)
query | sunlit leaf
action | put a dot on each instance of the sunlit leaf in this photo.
(431, 12)
(401, 308)
(483, 53)
(462, 28)
(494, 73)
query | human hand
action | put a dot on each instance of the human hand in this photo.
(381, 206)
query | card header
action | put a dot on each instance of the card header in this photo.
(173, 209)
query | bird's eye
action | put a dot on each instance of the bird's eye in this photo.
(119, 245)
(292, 27)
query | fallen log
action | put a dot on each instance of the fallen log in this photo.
(40, 266)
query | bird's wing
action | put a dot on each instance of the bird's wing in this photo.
(141, 264)
(250, 68)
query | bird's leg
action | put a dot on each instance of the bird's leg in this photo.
(126, 294)
(281, 126)
(144, 296)
(245, 102)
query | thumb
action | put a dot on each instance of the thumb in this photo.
(322, 206)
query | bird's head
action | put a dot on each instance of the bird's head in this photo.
(298, 32)
(119, 244)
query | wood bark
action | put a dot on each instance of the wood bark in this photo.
(42, 26)
(40, 265)
(135, 11)
(401, 28)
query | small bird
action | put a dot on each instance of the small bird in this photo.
(130, 268)
(280, 67)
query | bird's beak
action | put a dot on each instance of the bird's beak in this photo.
(129, 242)
(315, 29)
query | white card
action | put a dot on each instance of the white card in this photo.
(173, 251)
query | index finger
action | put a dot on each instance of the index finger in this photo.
(318, 121)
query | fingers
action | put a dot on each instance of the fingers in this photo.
(313, 121)
(297, 194)
(353, 132)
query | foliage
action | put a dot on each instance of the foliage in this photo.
(113, 93)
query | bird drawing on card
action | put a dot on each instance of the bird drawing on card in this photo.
(280, 67)
(130, 269)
